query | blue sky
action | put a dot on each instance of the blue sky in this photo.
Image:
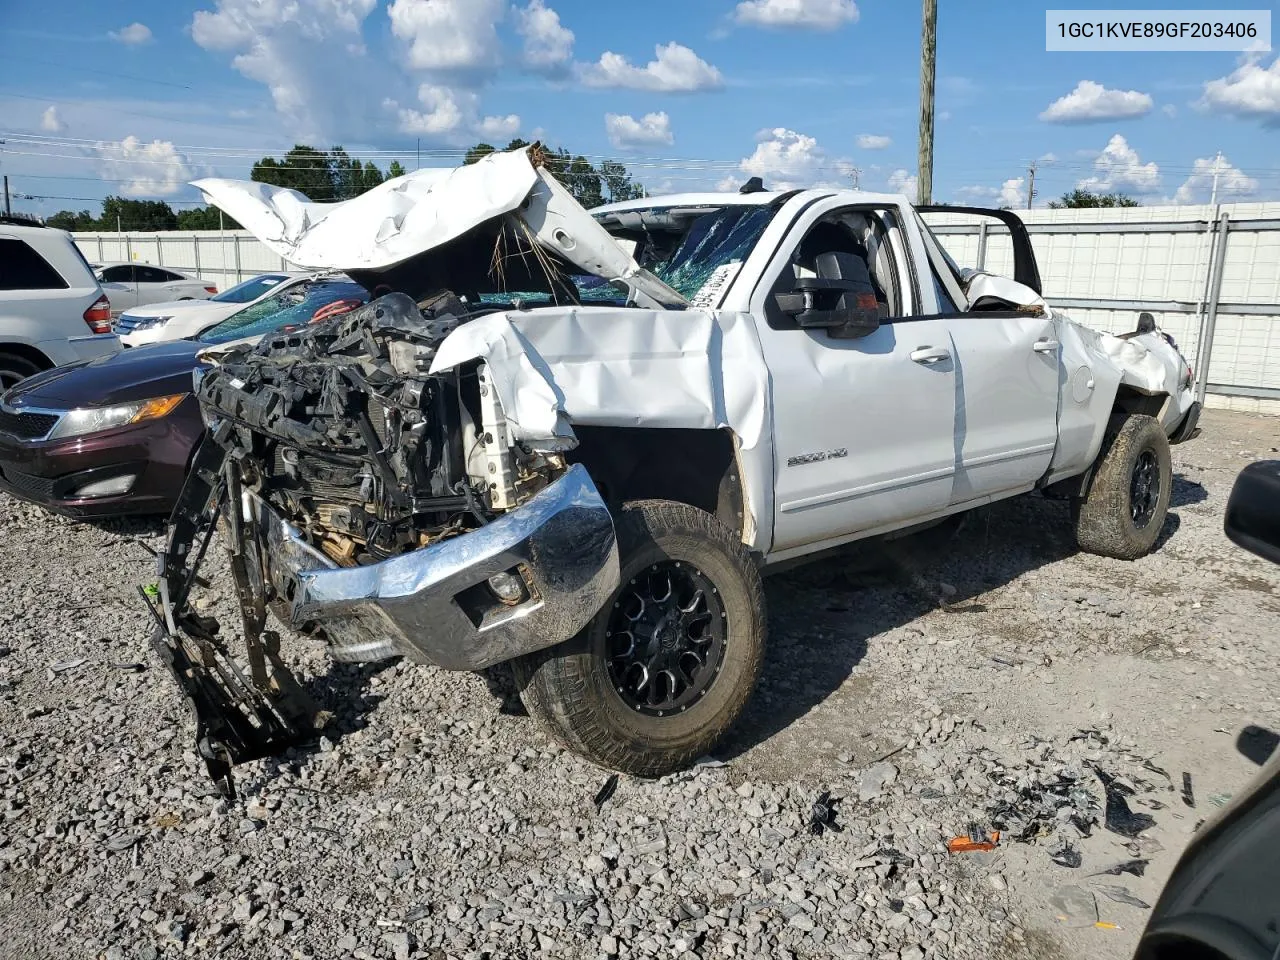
(138, 96)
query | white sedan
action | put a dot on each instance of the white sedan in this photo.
(137, 284)
(181, 319)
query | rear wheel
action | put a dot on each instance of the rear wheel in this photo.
(1124, 511)
(15, 367)
(658, 676)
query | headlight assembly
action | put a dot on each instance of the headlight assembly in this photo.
(83, 420)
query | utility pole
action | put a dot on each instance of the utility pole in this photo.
(418, 163)
(1031, 184)
(8, 211)
(1217, 168)
(855, 174)
(928, 73)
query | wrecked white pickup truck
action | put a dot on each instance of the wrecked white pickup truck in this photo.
(573, 442)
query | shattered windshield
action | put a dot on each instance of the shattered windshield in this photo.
(696, 251)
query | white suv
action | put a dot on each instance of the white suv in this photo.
(52, 310)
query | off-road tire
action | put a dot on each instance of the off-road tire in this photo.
(14, 367)
(568, 686)
(1104, 516)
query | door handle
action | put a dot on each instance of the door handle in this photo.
(928, 355)
(1046, 346)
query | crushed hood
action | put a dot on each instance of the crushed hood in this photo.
(464, 229)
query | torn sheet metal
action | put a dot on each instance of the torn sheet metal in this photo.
(605, 366)
(989, 286)
(392, 222)
(1092, 366)
(410, 216)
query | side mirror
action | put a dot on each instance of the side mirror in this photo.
(1253, 512)
(839, 306)
(1146, 323)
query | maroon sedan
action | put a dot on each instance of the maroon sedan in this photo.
(114, 436)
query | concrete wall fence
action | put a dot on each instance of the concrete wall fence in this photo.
(1210, 275)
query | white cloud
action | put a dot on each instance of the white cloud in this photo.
(1249, 91)
(450, 36)
(809, 14)
(548, 44)
(51, 122)
(872, 141)
(1047, 158)
(1233, 184)
(1118, 167)
(498, 128)
(1091, 102)
(453, 115)
(152, 169)
(786, 160)
(625, 131)
(309, 56)
(1013, 192)
(1169, 110)
(135, 34)
(903, 181)
(676, 69)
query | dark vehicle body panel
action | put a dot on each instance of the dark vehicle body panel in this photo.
(49, 472)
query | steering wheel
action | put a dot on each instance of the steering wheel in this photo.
(331, 310)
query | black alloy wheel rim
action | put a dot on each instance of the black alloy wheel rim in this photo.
(665, 639)
(1144, 489)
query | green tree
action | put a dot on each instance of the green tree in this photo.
(478, 153)
(205, 218)
(395, 170)
(136, 215)
(618, 182)
(320, 174)
(1077, 198)
(68, 220)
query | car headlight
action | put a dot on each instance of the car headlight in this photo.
(145, 323)
(75, 423)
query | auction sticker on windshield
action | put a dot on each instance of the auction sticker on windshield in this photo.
(710, 292)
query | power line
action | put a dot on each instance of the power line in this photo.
(106, 73)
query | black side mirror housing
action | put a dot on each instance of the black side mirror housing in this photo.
(842, 307)
(1253, 512)
(1146, 323)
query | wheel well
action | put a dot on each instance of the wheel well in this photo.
(28, 353)
(697, 467)
(1129, 401)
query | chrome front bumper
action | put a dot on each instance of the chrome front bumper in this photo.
(434, 605)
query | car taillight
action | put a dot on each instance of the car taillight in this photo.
(98, 316)
(210, 289)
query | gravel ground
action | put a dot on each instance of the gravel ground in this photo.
(985, 674)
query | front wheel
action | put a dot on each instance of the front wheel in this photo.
(658, 676)
(1122, 514)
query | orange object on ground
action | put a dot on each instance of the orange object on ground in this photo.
(969, 844)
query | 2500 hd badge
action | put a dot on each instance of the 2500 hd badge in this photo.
(822, 455)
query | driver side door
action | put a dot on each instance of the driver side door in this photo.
(863, 428)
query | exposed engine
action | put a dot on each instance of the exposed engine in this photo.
(343, 429)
